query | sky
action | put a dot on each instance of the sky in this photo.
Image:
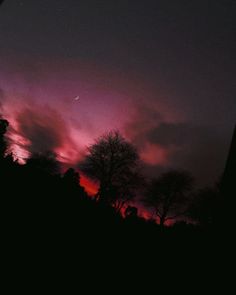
(161, 72)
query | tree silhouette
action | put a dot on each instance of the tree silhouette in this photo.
(54, 207)
(45, 163)
(168, 195)
(205, 207)
(131, 212)
(71, 181)
(114, 163)
(227, 185)
(124, 189)
(71, 177)
(3, 129)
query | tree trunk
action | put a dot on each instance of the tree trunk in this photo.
(162, 220)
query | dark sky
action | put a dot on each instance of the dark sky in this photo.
(163, 72)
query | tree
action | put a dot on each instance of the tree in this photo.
(131, 212)
(125, 188)
(168, 195)
(227, 185)
(71, 182)
(71, 177)
(206, 206)
(45, 163)
(113, 162)
(3, 129)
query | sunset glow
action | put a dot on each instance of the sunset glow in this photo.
(157, 99)
(115, 124)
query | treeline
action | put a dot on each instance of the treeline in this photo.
(37, 198)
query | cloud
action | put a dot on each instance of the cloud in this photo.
(144, 119)
(164, 145)
(168, 134)
(203, 152)
(45, 130)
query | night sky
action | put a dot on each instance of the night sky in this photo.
(162, 72)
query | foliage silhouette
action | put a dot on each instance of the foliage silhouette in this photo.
(168, 195)
(205, 206)
(45, 163)
(42, 206)
(3, 129)
(229, 175)
(114, 162)
(131, 212)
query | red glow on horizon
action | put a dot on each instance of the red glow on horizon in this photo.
(90, 186)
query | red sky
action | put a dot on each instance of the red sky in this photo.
(38, 100)
(39, 103)
(160, 73)
(90, 186)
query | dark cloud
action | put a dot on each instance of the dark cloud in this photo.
(201, 149)
(145, 118)
(168, 134)
(44, 128)
(175, 53)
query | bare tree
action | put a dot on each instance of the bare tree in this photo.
(114, 163)
(125, 188)
(168, 195)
